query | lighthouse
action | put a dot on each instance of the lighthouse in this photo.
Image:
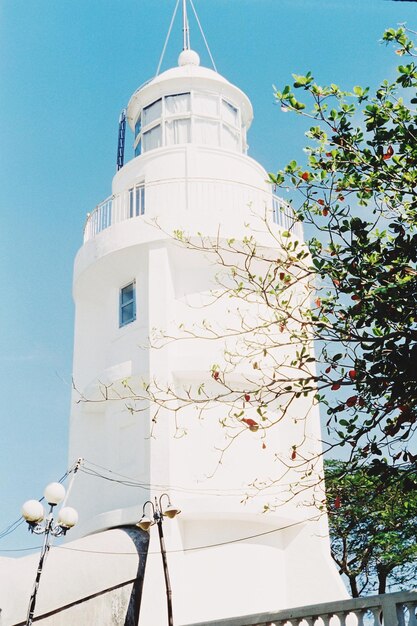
(150, 329)
(191, 174)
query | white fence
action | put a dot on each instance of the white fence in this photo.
(391, 609)
(196, 194)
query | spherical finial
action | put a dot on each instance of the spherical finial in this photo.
(188, 57)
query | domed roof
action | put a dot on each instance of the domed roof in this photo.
(189, 70)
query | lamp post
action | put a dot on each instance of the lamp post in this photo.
(33, 512)
(158, 514)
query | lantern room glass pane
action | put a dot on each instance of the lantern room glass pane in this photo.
(178, 104)
(229, 113)
(206, 104)
(138, 126)
(178, 131)
(206, 132)
(152, 139)
(152, 112)
(230, 138)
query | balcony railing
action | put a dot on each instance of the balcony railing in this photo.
(283, 215)
(206, 194)
(99, 219)
(392, 609)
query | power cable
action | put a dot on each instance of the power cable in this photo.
(18, 522)
(203, 35)
(21, 549)
(204, 547)
(131, 482)
(167, 38)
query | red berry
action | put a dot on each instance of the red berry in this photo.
(352, 374)
(247, 397)
(335, 387)
(305, 176)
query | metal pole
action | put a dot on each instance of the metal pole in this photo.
(165, 564)
(185, 27)
(44, 554)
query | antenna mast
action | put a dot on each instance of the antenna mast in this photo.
(185, 26)
(185, 32)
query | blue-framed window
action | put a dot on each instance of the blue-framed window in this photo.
(127, 304)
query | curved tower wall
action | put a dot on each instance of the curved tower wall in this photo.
(194, 183)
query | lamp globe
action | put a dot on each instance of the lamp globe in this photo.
(32, 511)
(67, 517)
(54, 493)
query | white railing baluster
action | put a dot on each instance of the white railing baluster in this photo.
(341, 616)
(402, 610)
(376, 613)
(411, 608)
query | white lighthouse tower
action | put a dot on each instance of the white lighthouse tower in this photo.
(191, 174)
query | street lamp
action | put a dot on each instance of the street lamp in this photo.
(158, 514)
(33, 512)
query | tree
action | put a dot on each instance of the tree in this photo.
(373, 527)
(358, 196)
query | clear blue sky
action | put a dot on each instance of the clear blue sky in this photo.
(67, 68)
